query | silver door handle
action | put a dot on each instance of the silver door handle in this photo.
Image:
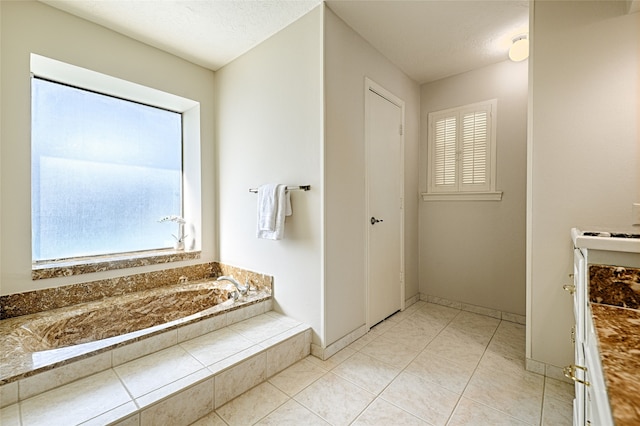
(374, 220)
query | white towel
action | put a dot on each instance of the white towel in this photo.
(274, 203)
(267, 207)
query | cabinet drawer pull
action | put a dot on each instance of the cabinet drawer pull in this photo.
(570, 288)
(570, 372)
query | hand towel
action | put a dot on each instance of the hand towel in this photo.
(267, 207)
(277, 206)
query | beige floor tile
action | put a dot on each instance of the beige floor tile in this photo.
(10, 415)
(154, 371)
(363, 341)
(286, 353)
(421, 398)
(559, 390)
(471, 413)
(479, 335)
(211, 419)
(441, 371)
(411, 334)
(252, 405)
(181, 409)
(492, 360)
(394, 353)
(292, 413)
(480, 328)
(517, 393)
(451, 345)
(335, 399)
(297, 377)
(76, 402)
(380, 412)
(333, 361)
(216, 346)
(240, 378)
(556, 412)
(439, 314)
(382, 327)
(509, 340)
(263, 327)
(367, 372)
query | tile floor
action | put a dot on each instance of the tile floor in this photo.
(428, 365)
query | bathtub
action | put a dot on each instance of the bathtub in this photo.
(33, 343)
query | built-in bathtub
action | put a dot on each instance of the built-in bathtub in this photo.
(42, 341)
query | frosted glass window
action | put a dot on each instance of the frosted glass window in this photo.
(104, 171)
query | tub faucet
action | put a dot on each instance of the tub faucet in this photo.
(241, 291)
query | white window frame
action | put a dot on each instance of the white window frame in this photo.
(91, 80)
(456, 189)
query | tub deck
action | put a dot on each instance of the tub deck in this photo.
(34, 343)
(178, 379)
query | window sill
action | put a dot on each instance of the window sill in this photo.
(87, 265)
(462, 196)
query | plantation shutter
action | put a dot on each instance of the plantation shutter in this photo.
(461, 149)
(445, 151)
(475, 150)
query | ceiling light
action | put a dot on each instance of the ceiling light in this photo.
(519, 50)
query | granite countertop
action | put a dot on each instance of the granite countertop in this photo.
(614, 294)
(619, 347)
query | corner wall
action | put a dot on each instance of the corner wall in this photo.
(269, 129)
(584, 149)
(30, 26)
(348, 60)
(474, 251)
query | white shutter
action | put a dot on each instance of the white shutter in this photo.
(475, 148)
(461, 149)
(445, 151)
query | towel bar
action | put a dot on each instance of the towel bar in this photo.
(289, 188)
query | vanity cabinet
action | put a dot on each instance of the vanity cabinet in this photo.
(591, 405)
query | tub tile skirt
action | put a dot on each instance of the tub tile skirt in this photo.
(175, 385)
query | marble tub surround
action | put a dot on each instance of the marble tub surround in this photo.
(619, 347)
(39, 342)
(68, 267)
(175, 385)
(30, 302)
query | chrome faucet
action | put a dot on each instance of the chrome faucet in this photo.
(240, 290)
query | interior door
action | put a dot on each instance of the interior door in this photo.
(384, 222)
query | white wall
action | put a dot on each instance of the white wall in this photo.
(584, 149)
(30, 26)
(269, 129)
(474, 251)
(348, 60)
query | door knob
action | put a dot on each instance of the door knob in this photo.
(374, 220)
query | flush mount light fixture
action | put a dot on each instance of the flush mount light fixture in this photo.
(519, 50)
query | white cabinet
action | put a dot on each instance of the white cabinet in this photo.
(597, 409)
(591, 404)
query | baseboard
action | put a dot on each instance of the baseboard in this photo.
(507, 316)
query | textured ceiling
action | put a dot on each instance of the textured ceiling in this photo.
(432, 39)
(427, 39)
(210, 33)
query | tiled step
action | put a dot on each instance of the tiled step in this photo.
(176, 385)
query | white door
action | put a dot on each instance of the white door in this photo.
(384, 115)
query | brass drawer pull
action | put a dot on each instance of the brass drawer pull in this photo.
(570, 288)
(570, 372)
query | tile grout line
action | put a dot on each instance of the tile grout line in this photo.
(377, 396)
(403, 369)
